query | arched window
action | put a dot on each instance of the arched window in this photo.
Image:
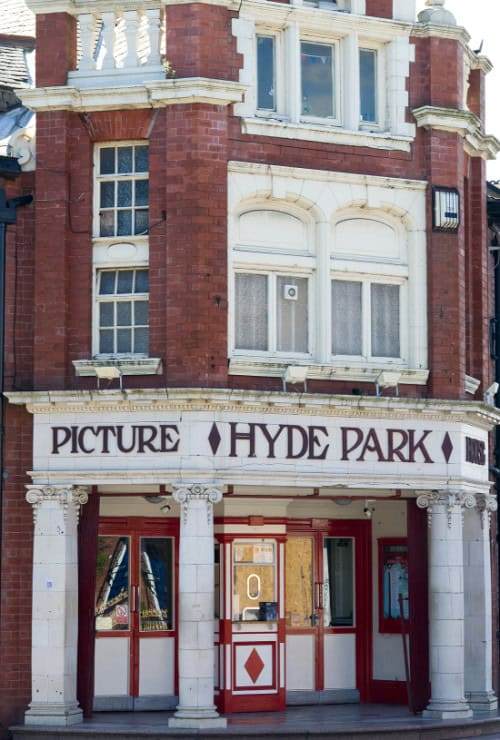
(273, 267)
(369, 279)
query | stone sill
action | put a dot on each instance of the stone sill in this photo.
(324, 133)
(126, 366)
(363, 374)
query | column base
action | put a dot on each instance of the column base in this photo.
(197, 719)
(53, 715)
(447, 710)
(482, 701)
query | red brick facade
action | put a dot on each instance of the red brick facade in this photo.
(49, 301)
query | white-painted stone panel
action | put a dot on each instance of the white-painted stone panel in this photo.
(340, 661)
(300, 662)
(112, 658)
(243, 653)
(156, 666)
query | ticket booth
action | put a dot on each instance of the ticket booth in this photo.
(251, 626)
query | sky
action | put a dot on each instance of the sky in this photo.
(482, 20)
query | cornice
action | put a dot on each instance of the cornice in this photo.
(432, 30)
(244, 401)
(265, 10)
(255, 168)
(156, 94)
(73, 7)
(244, 477)
(462, 122)
(479, 61)
(318, 20)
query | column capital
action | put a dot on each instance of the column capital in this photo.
(448, 498)
(183, 493)
(487, 503)
(67, 496)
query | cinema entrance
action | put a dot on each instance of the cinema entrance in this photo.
(135, 614)
(251, 556)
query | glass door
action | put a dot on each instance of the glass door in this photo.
(135, 617)
(327, 613)
(302, 614)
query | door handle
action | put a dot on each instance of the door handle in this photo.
(314, 619)
(134, 592)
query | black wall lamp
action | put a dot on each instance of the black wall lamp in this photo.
(445, 209)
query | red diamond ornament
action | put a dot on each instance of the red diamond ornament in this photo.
(254, 665)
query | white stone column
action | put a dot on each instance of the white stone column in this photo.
(446, 600)
(55, 604)
(478, 606)
(196, 709)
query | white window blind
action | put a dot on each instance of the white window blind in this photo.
(385, 320)
(251, 312)
(347, 333)
(292, 315)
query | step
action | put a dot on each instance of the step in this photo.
(255, 726)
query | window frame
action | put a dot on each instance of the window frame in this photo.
(110, 298)
(273, 273)
(276, 59)
(97, 178)
(275, 565)
(380, 86)
(337, 77)
(367, 280)
(354, 625)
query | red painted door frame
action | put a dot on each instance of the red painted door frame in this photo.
(135, 528)
(419, 604)
(360, 531)
(87, 562)
(228, 700)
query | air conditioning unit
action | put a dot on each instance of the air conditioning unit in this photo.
(290, 292)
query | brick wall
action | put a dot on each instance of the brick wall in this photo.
(16, 572)
(379, 8)
(55, 48)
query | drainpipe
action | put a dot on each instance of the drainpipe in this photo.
(9, 169)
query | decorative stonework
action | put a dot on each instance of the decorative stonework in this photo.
(185, 493)
(437, 14)
(449, 499)
(486, 505)
(69, 497)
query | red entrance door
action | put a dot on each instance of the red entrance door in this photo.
(136, 645)
(328, 611)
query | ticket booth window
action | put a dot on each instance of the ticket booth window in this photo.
(338, 582)
(254, 582)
